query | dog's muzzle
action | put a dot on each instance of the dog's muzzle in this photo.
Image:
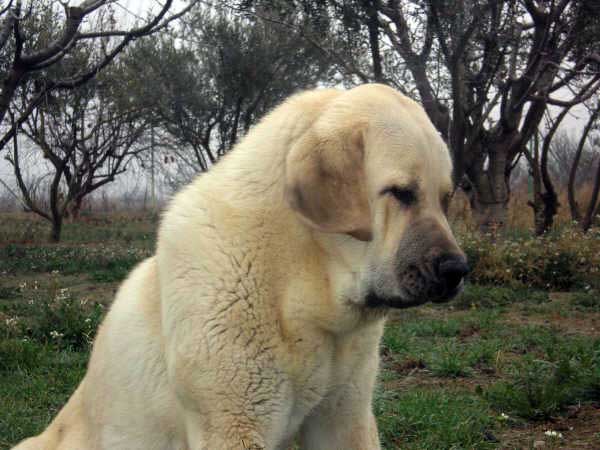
(439, 283)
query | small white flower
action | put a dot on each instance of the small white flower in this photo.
(503, 416)
(55, 334)
(88, 320)
(554, 434)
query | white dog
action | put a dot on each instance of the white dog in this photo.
(258, 321)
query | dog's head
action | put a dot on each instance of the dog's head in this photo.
(374, 167)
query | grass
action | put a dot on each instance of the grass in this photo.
(496, 368)
(434, 419)
(103, 263)
(35, 381)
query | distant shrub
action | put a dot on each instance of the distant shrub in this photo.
(567, 259)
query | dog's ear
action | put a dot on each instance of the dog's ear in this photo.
(325, 182)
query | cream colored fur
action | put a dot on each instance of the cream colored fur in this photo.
(247, 329)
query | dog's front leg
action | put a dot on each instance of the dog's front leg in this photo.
(342, 431)
(237, 401)
(229, 431)
(228, 419)
(344, 420)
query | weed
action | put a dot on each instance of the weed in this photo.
(64, 321)
(18, 354)
(587, 301)
(541, 388)
(450, 360)
(9, 292)
(485, 354)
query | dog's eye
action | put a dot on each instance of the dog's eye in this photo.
(405, 196)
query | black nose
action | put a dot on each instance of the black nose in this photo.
(451, 269)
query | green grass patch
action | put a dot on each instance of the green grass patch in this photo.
(482, 296)
(455, 347)
(103, 263)
(35, 382)
(449, 360)
(434, 419)
(19, 228)
(540, 387)
(448, 371)
(54, 317)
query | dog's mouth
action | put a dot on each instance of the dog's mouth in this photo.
(374, 300)
(416, 290)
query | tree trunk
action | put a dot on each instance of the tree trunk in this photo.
(489, 191)
(56, 228)
(593, 207)
(545, 201)
(545, 207)
(489, 214)
(75, 208)
(537, 204)
(373, 27)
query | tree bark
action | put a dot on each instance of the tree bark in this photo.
(373, 27)
(537, 203)
(490, 192)
(593, 207)
(56, 228)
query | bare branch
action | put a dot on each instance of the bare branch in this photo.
(586, 92)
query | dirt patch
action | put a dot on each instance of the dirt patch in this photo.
(580, 429)
(420, 377)
(576, 322)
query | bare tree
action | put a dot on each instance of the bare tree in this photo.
(563, 149)
(87, 137)
(30, 53)
(592, 209)
(545, 198)
(207, 85)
